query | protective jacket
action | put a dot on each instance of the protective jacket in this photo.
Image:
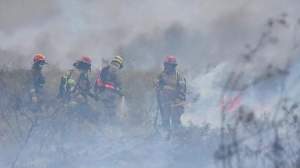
(108, 79)
(171, 88)
(38, 82)
(75, 88)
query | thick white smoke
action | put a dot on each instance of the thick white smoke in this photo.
(200, 32)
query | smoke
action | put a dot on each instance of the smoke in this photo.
(211, 38)
(198, 32)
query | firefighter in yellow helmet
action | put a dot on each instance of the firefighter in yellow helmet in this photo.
(171, 94)
(108, 87)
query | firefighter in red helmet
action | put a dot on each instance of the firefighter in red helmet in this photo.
(75, 86)
(38, 81)
(83, 84)
(171, 94)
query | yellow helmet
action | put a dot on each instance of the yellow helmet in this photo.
(119, 60)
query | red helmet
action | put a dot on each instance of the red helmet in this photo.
(86, 59)
(170, 60)
(39, 58)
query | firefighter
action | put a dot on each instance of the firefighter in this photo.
(171, 94)
(75, 86)
(108, 87)
(38, 81)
